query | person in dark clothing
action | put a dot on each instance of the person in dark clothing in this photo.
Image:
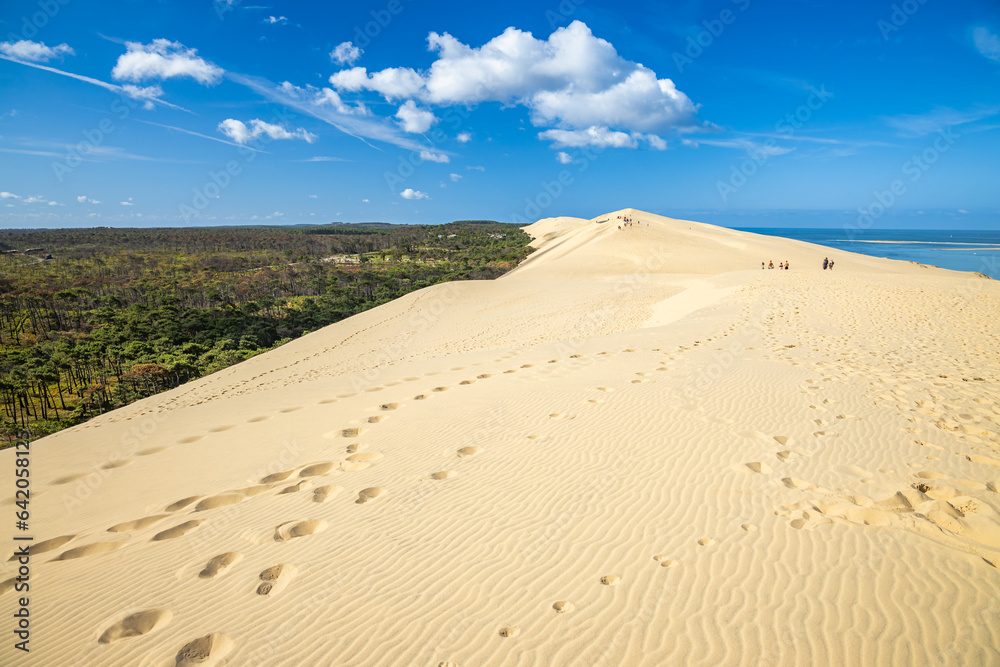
(826, 263)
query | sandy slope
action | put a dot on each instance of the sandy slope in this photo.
(637, 448)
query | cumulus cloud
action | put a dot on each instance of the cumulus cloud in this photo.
(275, 20)
(9, 195)
(413, 119)
(563, 157)
(163, 59)
(434, 156)
(464, 137)
(127, 203)
(601, 137)
(239, 132)
(35, 52)
(86, 200)
(455, 177)
(323, 97)
(410, 193)
(987, 43)
(570, 82)
(345, 53)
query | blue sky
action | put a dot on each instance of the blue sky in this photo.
(738, 112)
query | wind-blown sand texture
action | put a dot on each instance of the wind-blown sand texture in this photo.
(638, 448)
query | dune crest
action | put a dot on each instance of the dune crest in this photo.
(636, 448)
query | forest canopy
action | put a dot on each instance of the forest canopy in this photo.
(93, 319)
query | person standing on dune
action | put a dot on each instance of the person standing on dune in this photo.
(825, 263)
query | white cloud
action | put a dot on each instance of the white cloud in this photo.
(322, 97)
(410, 193)
(434, 156)
(312, 196)
(477, 168)
(937, 120)
(86, 200)
(163, 59)
(364, 201)
(35, 52)
(571, 82)
(413, 119)
(279, 20)
(455, 177)
(128, 203)
(601, 137)
(345, 53)
(393, 83)
(239, 132)
(8, 195)
(563, 158)
(464, 137)
(987, 43)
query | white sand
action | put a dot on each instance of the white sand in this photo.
(636, 449)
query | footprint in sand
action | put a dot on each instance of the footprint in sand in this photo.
(757, 466)
(354, 466)
(484, 376)
(664, 561)
(420, 397)
(561, 416)
(46, 545)
(291, 530)
(369, 494)
(220, 429)
(182, 503)
(465, 382)
(782, 439)
(135, 625)
(177, 531)
(274, 579)
(510, 631)
(129, 526)
(287, 410)
(316, 469)
(111, 465)
(192, 438)
(441, 388)
(90, 550)
(204, 652)
(221, 500)
(785, 456)
(295, 488)
(322, 493)
(466, 452)
(220, 564)
(257, 420)
(151, 451)
(351, 432)
(69, 478)
(610, 580)
(563, 606)
(355, 447)
(444, 474)
(275, 477)
(374, 419)
(389, 406)
(706, 542)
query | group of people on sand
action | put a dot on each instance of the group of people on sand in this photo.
(827, 264)
(770, 265)
(626, 221)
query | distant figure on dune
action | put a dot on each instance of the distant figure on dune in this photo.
(826, 262)
(831, 265)
(786, 265)
(770, 264)
(763, 265)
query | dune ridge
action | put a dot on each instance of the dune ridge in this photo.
(636, 448)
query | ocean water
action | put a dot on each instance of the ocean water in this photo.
(959, 250)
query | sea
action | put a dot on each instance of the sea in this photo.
(959, 250)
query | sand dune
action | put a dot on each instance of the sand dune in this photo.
(636, 449)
